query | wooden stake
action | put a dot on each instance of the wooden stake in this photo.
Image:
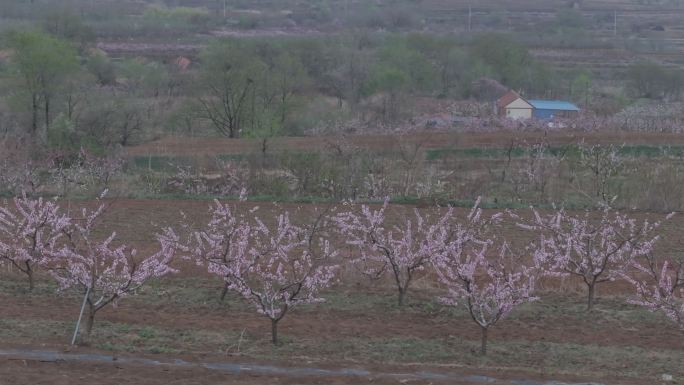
(80, 316)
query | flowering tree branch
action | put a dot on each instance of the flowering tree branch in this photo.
(272, 267)
(104, 270)
(659, 286)
(28, 232)
(400, 250)
(489, 287)
(596, 251)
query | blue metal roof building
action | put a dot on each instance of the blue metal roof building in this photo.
(549, 109)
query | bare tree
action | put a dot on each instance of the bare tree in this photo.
(411, 155)
(604, 163)
(229, 78)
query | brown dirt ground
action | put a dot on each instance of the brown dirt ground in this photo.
(35, 372)
(331, 324)
(70, 373)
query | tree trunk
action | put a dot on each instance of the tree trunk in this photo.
(590, 297)
(29, 273)
(70, 108)
(283, 109)
(34, 114)
(274, 331)
(89, 323)
(224, 292)
(483, 342)
(402, 296)
(47, 114)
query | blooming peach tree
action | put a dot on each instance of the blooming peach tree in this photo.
(659, 286)
(29, 230)
(489, 287)
(596, 251)
(273, 267)
(106, 270)
(222, 243)
(400, 250)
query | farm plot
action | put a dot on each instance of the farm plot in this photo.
(359, 325)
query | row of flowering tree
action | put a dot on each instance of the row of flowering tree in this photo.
(33, 171)
(488, 285)
(277, 265)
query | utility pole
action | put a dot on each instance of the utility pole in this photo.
(615, 24)
(470, 18)
(224, 8)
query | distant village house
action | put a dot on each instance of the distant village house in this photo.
(550, 109)
(514, 106)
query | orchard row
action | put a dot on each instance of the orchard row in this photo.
(276, 265)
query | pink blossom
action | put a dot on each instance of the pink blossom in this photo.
(659, 286)
(275, 268)
(488, 287)
(105, 269)
(596, 251)
(29, 231)
(400, 250)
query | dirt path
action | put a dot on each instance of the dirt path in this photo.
(238, 371)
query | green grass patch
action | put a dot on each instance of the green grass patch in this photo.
(632, 151)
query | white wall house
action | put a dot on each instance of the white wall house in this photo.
(519, 109)
(513, 106)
